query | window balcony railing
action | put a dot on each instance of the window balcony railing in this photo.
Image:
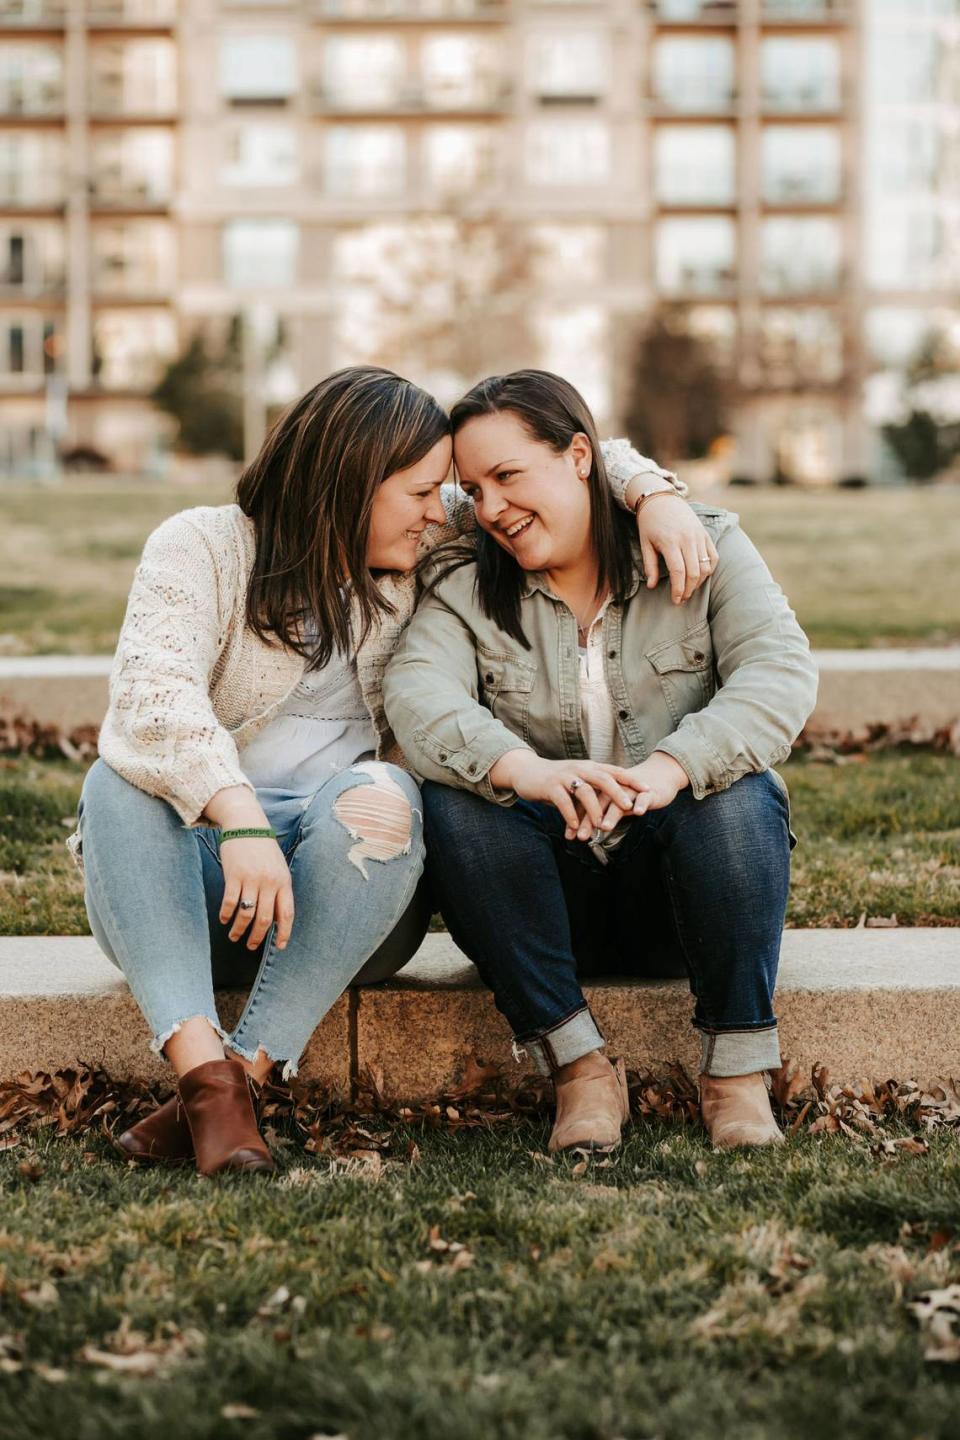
(694, 98)
(481, 98)
(782, 278)
(810, 99)
(380, 12)
(701, 279)
(113, 102)
(112, 192)
(31, 284)
(696, 12)
(31, 190)
(817, 12)
(131, 14)
(32, 14)
(810, 189)
(31, 102)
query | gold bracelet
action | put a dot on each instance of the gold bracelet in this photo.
(653, 494)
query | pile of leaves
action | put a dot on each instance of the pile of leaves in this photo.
(832, 746)
(22, 734)
(374, 1126)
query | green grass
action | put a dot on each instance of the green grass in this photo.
(676, 1294)
(861, 568)
(880, 836)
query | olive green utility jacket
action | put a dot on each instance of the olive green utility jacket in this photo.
(723, 683)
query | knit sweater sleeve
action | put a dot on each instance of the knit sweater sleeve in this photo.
(160, 732)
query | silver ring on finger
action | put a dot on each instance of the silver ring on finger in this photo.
(575, 786)
(704, 559)
(248, 904)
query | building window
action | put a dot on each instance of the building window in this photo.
(907, 247)
(133, 77)
(258, 69)
(799, 255)
(133, 259)
(31, 80)
(31, 169)
(363, 72)
(575, 343)
(459, 158)
(561, 152)
(568, 65)
(260, 254)
(695, 73)
(132, 167)
(696, 256)
(260, 154)
(28, 346)
(130, 348)
(799, 345)
(365, 160)
(801, 164)
(461, 70)
(800, 73)
(695, 164)
(566, 255)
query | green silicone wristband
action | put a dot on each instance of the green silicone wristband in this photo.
(247, 834)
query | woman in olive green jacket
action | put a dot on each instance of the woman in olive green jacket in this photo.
(598, 792)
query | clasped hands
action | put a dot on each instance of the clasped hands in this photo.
(602, 794)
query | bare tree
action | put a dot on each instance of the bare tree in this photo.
(441, 298)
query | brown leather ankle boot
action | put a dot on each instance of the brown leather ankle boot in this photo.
(592, 1104)
(219, 1107)
(736, 1111)
(162, 1137)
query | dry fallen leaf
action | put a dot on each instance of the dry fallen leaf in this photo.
(238, 1411)
(42, 1296)
(937, 1312)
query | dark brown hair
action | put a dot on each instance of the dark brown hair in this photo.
(310, 493)
(553, 412)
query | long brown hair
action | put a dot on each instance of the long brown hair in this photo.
(553, 412)
(310, 493)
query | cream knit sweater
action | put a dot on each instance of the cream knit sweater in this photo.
(191, 684)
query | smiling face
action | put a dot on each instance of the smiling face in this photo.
(403, 506)
(534, 501)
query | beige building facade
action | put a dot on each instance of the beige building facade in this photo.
(349, 175)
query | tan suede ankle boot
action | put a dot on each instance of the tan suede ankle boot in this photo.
(736, 1111)
(592, 1104)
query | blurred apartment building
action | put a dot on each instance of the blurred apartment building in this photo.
(788, 171)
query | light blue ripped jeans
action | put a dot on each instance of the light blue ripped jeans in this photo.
(154, 889)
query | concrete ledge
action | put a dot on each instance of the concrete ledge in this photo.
(869, 1003)
(857, 687)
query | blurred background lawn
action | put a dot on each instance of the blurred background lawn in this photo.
(861, 568)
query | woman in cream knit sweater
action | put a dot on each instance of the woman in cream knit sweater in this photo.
(251, 820)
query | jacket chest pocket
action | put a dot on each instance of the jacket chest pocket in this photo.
(684, 668)
(506, 684)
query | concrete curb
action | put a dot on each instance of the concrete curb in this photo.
(876, 1004)
(857, 688)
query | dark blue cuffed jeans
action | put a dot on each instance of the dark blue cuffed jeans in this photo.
(698, 888)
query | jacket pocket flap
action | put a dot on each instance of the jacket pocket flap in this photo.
(502, 672)
(693, 652)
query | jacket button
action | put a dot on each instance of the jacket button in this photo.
(612, 654)
(442, 755)
(472, 769)
(624, 714)
(698, 654)
(488, 678)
